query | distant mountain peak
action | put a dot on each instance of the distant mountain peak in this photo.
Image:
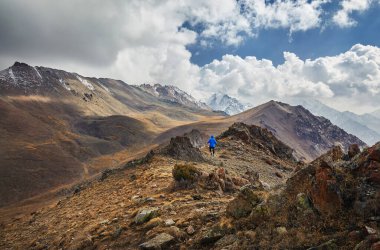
(173, 94)
(223, 102)
(20, 64)
(366, 126)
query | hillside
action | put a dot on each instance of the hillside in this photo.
(252, 195)
(59, 127)
(309, 135)
(366, 126)
(173, 94)
(102, 212)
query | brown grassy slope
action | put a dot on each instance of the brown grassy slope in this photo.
(53, 128)
(102, 214)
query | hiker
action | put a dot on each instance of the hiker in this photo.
(212, 144)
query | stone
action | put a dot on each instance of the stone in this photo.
(370, 230)
(239, 208)
(303, 202)
(326, 193)
(281, 230)
(243, 204)
(161, 241)
(190, 230)
(146, 214)
(169, 222)
(136, 198)
(374, 153)
(210, 236)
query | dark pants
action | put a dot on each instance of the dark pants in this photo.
(212, 150)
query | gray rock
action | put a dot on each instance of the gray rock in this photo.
(161, 241)
(146, 214)
(169, 222)
(190, 230)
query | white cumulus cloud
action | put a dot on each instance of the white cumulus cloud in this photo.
(342, 17)
(350, 80)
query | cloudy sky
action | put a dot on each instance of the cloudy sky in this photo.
(254, 50)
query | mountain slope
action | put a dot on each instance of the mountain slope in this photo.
(309, 135)
(366, 127)
(223, 102)
(173, 94)
(102, 212)
(252, 195)
(55, 126)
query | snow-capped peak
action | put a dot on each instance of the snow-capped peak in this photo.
(12, 76)
(174, 94)
(223, 102)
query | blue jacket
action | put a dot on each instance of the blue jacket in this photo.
(212, 142)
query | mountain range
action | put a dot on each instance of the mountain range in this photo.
(366, 126)
(77, 126)
(59, 127)
(224, 102)
(95, 163)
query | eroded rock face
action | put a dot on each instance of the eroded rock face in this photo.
(259, 137)
(181, 148)
(248, 198)
(197, 139)
(325, 193)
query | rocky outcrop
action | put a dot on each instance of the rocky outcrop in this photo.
(197, 138)
(353, 150)
(248, 199)
(332, 203)
(258, 137)
(180, 148)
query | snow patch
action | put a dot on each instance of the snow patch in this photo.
(64, 84)
(104, 87)
(12, 76)
(38, 73)
(223, 102)
(86, 83)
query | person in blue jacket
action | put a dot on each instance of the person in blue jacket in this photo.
(212, 144)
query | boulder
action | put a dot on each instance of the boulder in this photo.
(169, 222)
(374, 153)
(325, 193)
(181, 148)
(146, 214)
(210, 236)
(247, 199)
(161, 241)
(190, 230)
